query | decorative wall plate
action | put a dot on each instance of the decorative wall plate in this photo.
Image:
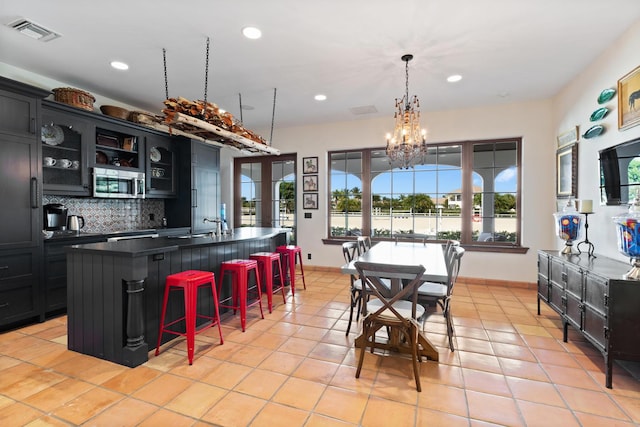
(52, 134)
(606, 95)
(599, 114)
(593, 131)
(154, 154)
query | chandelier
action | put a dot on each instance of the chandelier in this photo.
(408, 146)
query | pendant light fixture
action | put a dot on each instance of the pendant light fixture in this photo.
(407, 147)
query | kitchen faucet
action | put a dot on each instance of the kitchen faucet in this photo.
(218, 222)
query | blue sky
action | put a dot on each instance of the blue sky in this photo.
(445, 181)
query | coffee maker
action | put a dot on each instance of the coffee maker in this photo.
(55, 217)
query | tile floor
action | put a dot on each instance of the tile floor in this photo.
(296, 368)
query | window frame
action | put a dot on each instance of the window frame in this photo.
(467, 148)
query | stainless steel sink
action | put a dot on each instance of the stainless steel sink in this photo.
(188, 236)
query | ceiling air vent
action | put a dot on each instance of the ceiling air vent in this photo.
(366, 109)
(33, 30)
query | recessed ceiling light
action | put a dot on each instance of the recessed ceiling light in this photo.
(252, 33)
(119, 65)
(454, 78)
(320, 97)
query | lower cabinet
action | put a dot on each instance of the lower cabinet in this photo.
(591, 295)
(54, 299)
(19, 290)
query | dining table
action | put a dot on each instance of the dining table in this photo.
(429, 255)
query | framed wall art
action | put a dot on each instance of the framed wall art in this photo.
(309, 165)
(568, 137)
(567, 171)
(310, 200)
(310, 183)
(629, 100)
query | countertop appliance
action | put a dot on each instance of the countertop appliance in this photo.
(120, 184)
(55, 216)
(75, 222)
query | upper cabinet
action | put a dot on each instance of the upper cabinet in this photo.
(75, 141)
(119, 147)
(20, 172)
(161, 166)
(17, 114)
(65, 139)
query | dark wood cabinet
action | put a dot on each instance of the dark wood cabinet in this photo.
(198, 195)
(160, 166)
(55, 271)
(118, 146)
(591, 295)
(18, 109)
(20, 175)
(19, 291)
(65, 139)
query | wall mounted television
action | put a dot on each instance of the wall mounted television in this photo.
(620, 173)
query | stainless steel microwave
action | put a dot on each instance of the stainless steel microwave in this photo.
(118, 184)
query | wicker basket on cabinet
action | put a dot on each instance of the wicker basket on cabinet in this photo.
(75, 97)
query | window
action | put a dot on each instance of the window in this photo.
(468, 191)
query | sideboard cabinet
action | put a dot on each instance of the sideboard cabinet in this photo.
(590, 294)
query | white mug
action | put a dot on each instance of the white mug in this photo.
(75, 164)
(49, 161)
(65, 163)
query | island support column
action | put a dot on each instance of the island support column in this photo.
(135, 352)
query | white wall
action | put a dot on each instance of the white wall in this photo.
(574, 105)
(532, 121)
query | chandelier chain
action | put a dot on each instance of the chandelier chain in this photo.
(406, 84)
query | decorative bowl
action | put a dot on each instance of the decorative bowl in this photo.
(113, 111)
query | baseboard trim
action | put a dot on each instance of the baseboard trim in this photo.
(466, 280)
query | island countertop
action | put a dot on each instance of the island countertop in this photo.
(115, 290)
(150, 246)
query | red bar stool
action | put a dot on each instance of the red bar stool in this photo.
(266, 261)
(239, 270)
(289, 253)
(189, 282)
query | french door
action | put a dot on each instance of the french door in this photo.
(267, 191)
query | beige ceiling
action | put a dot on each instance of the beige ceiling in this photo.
(506, 50)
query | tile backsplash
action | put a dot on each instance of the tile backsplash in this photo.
(111, 215)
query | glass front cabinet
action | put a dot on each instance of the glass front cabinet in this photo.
(65, 139)
(161, 166)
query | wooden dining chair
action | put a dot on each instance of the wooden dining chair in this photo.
(394, 308)
(351, 250)
(410, 237)
(364, 244)
(442, 293)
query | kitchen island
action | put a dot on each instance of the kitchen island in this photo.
(115, 289)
